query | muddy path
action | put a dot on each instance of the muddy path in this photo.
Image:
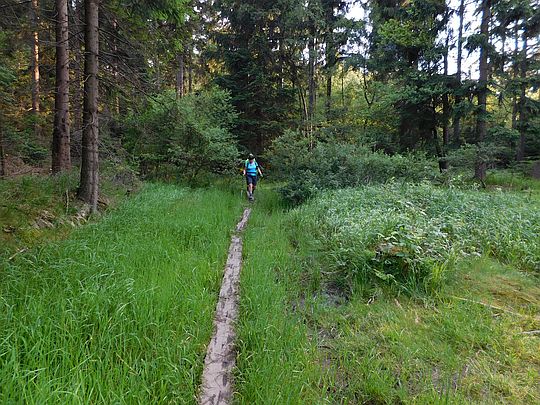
(216, 387)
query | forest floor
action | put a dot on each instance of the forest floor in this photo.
(121, 309)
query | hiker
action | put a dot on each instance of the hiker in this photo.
(251, 170)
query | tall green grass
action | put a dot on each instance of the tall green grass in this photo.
(120, 312)
(277, 363)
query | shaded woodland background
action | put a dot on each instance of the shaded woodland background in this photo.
(181, 88)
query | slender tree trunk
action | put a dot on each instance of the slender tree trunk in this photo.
(342, 86)
(115, 71)
(328, 101)
(61, 157)
(515, 69)
(89, 185)
(2, 154)
(446, 112)
(457, 114)
(190, 70)
(481, 126)
(180, 75)
(35, 67)
(523, 100)
(311, 77)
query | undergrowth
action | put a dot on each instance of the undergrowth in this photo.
(35, 209)
(409, 236)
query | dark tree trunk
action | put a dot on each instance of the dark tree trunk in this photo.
(523, 100)
(76, 84)
(89, 185)
(35, 67)
(61, 158)
(180, 75)
(457, 114)
(481, 126)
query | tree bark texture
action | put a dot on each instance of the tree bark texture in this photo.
(311, 78)
(180, 76)
(89, 185)
(190, 71)
(457, 115)
(443, 165)
(61, 158)
(523, 100)
(76, 101)
(2, 154)
(481, 127)
(35, 66)
(515, 70)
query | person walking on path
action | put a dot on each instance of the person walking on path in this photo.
(251, 170)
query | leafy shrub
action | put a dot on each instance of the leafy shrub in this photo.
(306, 170)
(409, 235)
(190, 135)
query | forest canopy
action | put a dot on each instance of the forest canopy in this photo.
(168, 84)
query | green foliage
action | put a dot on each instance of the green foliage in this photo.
(408, 236)
(338, 165)
(189, 136)
(467, 156)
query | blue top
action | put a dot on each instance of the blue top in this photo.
(251, 167)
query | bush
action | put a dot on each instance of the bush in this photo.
(189, 136)
(409, 235)
(306, 170)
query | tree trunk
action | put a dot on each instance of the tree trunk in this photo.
(443, 163)
(89, 185)
(481, 127)
(2, 154)
(180, 76)
(515, 69)
(115, 71)
(61, 158)
(311, 78)
(457, 114)
(76, 83)
(523, 100)
(35, 67)
(190, 71)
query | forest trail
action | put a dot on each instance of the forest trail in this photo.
(216, 387)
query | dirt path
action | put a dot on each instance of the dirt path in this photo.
(216, 385)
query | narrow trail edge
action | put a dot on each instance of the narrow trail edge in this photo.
(216, 387)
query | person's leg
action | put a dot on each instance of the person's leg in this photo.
(249, 180)
(253, 185)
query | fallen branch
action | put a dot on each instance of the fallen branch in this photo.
(531, 332)
(490, 306)
(22, 250)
